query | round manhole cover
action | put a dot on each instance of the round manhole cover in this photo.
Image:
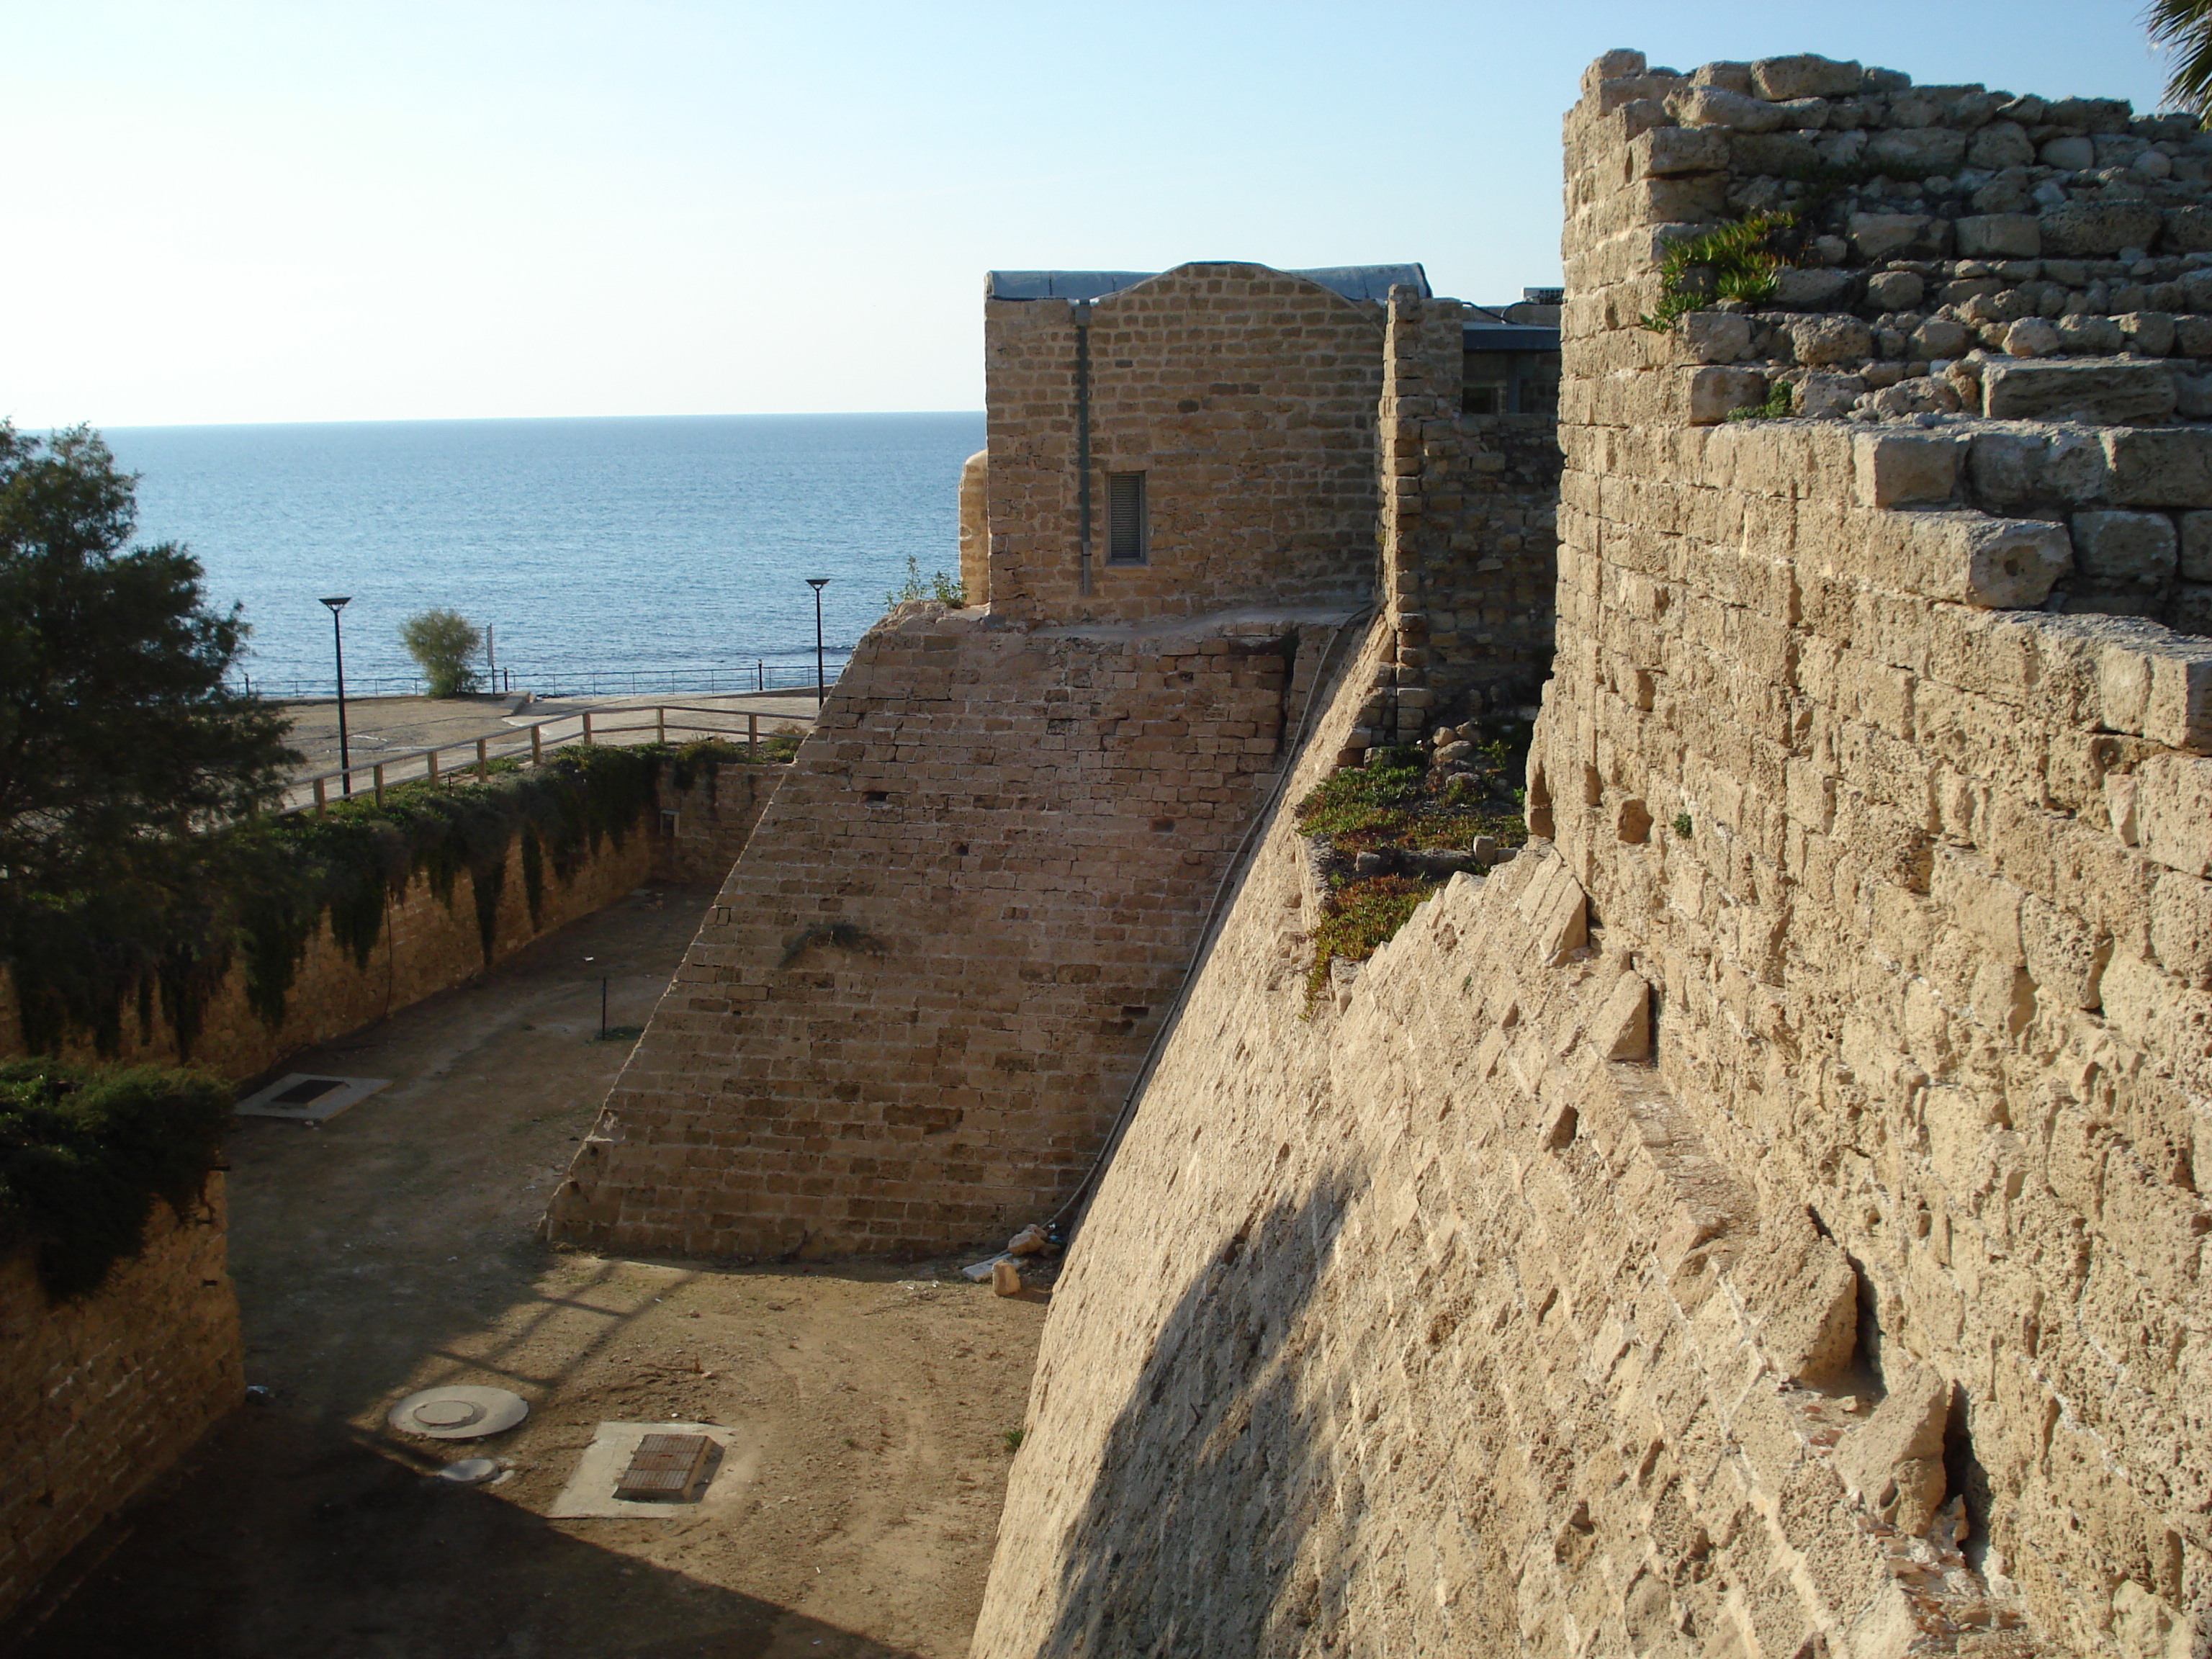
(460, 1413)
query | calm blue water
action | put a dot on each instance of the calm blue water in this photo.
(675, 544)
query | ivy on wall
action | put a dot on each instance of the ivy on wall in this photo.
(257, 893)
(87, 1152)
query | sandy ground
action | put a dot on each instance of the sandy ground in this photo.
(392, 1249)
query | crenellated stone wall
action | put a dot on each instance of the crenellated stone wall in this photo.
(1766, 1216)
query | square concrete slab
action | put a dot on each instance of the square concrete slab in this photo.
(590, 1490)
(309, 1096)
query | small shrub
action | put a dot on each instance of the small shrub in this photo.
(1734, 261)
(941, 586)
(444, 644)
(1778, 406)
(1682, 825)
(1013, 1438)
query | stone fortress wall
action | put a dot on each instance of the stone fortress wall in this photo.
(914, 1015)
(1765, 1217)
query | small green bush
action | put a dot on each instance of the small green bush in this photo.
(444, 644)
(1682, 825)
(86, 1151)
(1778, 406)
(941, 585)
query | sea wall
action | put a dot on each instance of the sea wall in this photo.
(100, 1395)
(1765, 1216)
(431, 944)
(922, 993)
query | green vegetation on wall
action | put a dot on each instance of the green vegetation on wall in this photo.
(1396, 804)
(259, 892)
(85, 1153)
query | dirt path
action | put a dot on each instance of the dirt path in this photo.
(393, 1250)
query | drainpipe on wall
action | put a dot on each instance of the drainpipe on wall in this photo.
(1082, 445)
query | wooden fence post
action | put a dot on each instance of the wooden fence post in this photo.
(322, 796)
(588, 725)
(537, 744)
(753, 736)
(380, 783)
(483, 761)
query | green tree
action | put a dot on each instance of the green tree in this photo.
(118, 730)
(2184, 28)
(445, 643)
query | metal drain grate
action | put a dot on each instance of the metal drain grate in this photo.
(664, 1469)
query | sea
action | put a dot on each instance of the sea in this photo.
(649, 554)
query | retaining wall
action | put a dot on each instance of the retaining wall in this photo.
(430, 945)
(98, 1396)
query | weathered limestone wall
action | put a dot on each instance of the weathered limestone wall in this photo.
(1246, 395)
(100, 1395)
(1765, 1217)
(916, 1006)
(431, 945)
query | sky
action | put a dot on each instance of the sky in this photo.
(309, 211)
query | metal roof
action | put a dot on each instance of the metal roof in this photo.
(1353, 282)
(1508, 336)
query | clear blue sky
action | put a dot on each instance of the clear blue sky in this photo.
(313, 211)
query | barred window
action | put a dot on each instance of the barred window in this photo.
(1125, 530)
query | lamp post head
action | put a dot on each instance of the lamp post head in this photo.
(339, 604)
(817, 583)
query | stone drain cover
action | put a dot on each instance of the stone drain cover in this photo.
(459, 1413)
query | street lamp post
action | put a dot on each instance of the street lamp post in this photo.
(337, 645)
(821, 679)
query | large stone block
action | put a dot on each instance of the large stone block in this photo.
(2099, 229)
(2114, 548)
(1897, 469)
(2001, 235)
(1805, 76)
(2106, 390)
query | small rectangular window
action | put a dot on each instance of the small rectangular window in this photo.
(1126, 537)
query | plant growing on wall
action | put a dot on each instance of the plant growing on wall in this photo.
(444, 644)
(87, 1152)
(946, 589)
(257, 893)
(1738, 260)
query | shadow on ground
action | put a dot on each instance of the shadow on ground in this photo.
(406, 1567)
(395, 1249)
